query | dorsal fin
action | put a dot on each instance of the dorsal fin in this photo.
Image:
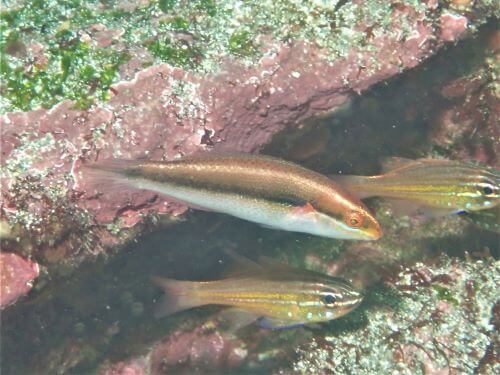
(392, 163)
(279, 268)
(241, 266)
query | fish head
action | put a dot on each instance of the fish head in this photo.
(329, 300)
(347, 219)
(482, 191)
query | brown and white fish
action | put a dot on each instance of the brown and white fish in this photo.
(261, 189)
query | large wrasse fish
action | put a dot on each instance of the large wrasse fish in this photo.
(429, 186)
(267, 291)
(261, 189)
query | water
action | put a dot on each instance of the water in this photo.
(85, 319)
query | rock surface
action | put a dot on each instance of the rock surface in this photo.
(16, 277)
(209, 79)
(165, 112)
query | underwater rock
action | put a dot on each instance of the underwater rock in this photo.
(165, 111)
(137, 367)
(16, 277)
(435, 319)
(452, 26)
(467, 128)
(199, 350)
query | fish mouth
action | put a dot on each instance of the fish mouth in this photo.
(376, 233)
(356, 301)
(373, 233)
(351, 305)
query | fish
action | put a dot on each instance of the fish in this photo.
(269, 292)
(272, 192)
(430, 187)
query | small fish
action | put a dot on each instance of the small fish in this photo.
(270, 292)
(427, 186)
(272, 192)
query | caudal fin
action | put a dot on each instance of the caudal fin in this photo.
(178, 296)
(105, 177)
(356, 185)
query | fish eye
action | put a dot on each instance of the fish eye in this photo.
(329, 299)
(487, 190)
(354, 219)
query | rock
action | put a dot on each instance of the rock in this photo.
(185, 352)
(434, 327)
(16, 276)
(165, 112)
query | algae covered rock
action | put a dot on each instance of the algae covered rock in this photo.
(432, 318)
(91, 80)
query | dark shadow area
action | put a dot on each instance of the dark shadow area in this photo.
(393, 118)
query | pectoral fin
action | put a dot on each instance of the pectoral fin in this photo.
(272, 323)
(307, 208)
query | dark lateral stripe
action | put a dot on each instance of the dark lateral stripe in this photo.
(285, 189)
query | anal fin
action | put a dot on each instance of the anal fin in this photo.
(272, 323)
(402, 207)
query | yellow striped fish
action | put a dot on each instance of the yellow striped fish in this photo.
(270, 292)
(436, 187)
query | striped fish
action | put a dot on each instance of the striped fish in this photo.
(436, 187)
(261, 189)
(270, 292)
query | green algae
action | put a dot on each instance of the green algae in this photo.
(194, 35)
(445, 294)
(175, 53)
(241, 44)
(70, 68)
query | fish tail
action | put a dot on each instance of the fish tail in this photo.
(106, 177)
(357, 185)
(178, 296)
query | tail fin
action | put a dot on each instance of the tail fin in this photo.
(356, 185)
(106, 177)
(178, 296)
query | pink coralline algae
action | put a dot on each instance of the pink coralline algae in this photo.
(463, 127)
(452, 26)
(164, 113)
(185, 350)
(16, 277)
